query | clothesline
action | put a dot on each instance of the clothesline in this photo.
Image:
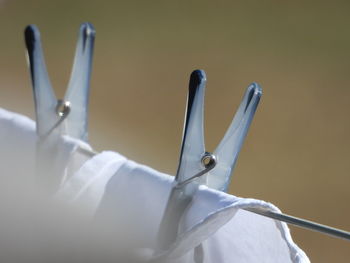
(310, 225)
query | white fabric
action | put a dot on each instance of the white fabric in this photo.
(17, 143)
(18, 154)
(129, 199)
(133, 197)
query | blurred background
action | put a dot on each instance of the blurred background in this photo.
(297, 151)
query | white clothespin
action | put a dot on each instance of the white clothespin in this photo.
(215, 170)
(59, 117)
(74, 108)
(195, 161)
(193, 157)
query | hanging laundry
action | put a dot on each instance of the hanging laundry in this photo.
(133, 197)
(130, 199)
(75, 205)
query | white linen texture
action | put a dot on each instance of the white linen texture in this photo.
(108, 209)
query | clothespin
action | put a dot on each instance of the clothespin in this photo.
(195, 161)
(60, 117)
(197, 166)
(74, 108)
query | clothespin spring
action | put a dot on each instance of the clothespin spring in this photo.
(62, 110)
(208, 161)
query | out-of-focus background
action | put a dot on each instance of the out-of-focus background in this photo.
(297, 151)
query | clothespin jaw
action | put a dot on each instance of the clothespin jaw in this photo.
(50, 112)
(226, 154)
(59, 117)
(227, 151)
(195, 162)
(79, 84)
(190, 167)
(192, 147)
(44, 98)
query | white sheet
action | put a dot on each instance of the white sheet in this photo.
(125, 201)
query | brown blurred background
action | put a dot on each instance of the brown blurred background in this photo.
(297, 151)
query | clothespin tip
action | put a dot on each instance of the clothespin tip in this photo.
(87, 31)
(197, 80)
(88, 28)
(253, 90)
(256, 88)
(197, 77)
(31, 33)
(32, 37)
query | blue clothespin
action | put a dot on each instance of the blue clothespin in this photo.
(74, 108)
(195, 161)
(59, 117)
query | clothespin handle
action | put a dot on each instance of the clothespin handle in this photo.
(44, 98)
(192, 151)
(228, 149)
(48, 109)
(79, 85)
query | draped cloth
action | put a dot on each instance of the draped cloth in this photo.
(124, 202)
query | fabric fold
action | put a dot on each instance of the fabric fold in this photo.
(18, 141)
(125, 201)
(134, 197)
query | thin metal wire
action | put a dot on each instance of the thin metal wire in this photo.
(307, 224)
(62, 109)
(208, 161)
